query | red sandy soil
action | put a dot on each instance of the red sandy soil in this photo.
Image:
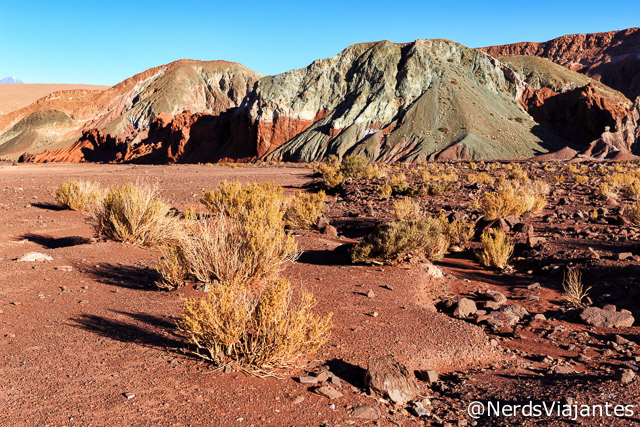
(73, 342)
(16, 96)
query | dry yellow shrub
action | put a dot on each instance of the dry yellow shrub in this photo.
(496, 249)
(81, 196)
(263, 331)
(407, 210)
(133, 213)
(305, 209)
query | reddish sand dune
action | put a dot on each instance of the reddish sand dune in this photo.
(16, 96)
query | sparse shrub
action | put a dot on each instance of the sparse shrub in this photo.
(560, 179)
(514, 199)
(459, 231)
(438, 188)
(133, 213)
(352, 166)
(496, 249)
(235, 199)
(82, 196)
(172, 267)
(606, 190)
(261, 331)
(305, 209)
(385, 192)
(407, 210)
(574, 291)
(632, 212)
(581, 179)
(632, 189)
(480, 178)
(394, 241)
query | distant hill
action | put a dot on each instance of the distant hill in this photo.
(10, 80)
(16, 96)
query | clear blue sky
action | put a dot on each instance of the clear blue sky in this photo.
(68, 41)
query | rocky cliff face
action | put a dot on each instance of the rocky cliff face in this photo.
(612, 57)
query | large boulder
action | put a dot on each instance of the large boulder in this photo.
(391, 379)
(595, 316)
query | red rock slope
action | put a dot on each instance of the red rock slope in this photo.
(612, 57)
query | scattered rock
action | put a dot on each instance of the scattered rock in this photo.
(322, 376)
(429, 376)
(66, 268)
(390, 379)
(34, 257)
(129, 396)
(366, 412)
(465, 308)
(297, 400)
(626, 376)
(432, 270)
(308, 380)
(595, 316)
(371, 294)
(330, 231)
(328, 392)
(622, 256)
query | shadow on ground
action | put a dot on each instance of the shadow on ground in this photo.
(48, 206)
(49, 242)
(124, 276)
(144, 329)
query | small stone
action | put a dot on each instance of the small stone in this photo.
(609, 307)
(330, 231)
(129, 396)
(626, 376)
(419, 410)
(328, 392)
(34, 257)
(371, 294)
(66, 268)
(622, 256)
(297, 400)
(308, 380)
(430, 376)
(336, 381)
(322, 376)
(534, 286)
(432, 270)
(540, 316)
(366, 412)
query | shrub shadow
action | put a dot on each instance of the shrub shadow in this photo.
(55, 242)
(124, 276)
(130, 332)
(48, 206)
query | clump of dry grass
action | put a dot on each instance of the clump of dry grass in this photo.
(480, 178)
(352, 166)
(82, 196)
(305, 209)
(395, 241)
(407, 210)
(574, 290)
(514, 199)
(245, 241)
(632, 212)
(133, 213)
(235, 199)
(262, 331)
(496, 250)
(459, 231)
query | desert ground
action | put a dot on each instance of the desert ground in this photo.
(86, 339)
(16, 96)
